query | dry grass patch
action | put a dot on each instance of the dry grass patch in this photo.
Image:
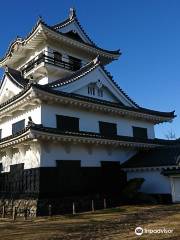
(110, 224)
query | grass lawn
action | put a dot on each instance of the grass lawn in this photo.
(118, 223)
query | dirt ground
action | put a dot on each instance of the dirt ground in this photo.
(115, 224)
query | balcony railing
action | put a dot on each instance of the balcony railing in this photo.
(49, 58)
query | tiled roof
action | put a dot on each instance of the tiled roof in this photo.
(16, 77)
(69, 21)
(87, 99)
(116, 52)
(41, 128)
(107, 103)
(85, 70)
(23, 41)
(98, 135)
(120, 89)
(88, 68)
(160, 156)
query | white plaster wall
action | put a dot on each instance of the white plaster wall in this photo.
(30, 155)
(74, 27)
(93, 77)
(6, 126)
(90, 155)
(107, 95)
(8, 90)
(89, 121)
(155, 182)
(32, 54)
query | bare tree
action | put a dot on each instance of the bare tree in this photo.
(170, 135)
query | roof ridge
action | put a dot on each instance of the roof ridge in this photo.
(73, 18)
(21, 41)
(107, 103)
(121, 90)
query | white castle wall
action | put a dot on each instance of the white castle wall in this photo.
(90, 155)
(6, 126)
(89, 121)
(155, 182)
(30, 155)
(8, 90)
(46, 155)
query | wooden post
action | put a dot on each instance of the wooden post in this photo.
(73, 208)
(105, 205)
(14, 214)
(3, 211)
(25, 213)
(92, 205)
(50, 210)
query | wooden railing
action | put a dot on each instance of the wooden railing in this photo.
(50, 59)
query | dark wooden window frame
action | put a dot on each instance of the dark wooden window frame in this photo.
(67, 123)
(107, 128)
(75, 62)
(140, 132)
(18, 126)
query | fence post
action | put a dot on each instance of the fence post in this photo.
(105, 205)
(50, 210)
(74, 209)
(14, 214)
(3, 211)
(25, 213)
(92, 205)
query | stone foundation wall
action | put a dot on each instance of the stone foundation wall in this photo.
(21, 205)
(57, 206)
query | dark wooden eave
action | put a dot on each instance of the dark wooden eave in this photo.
(22, 41)
(85, 70)
(35, 131)
(85, 99)
(70, 20)
(16, 77)
(158, 157)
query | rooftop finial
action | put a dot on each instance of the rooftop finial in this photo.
(72, 13)
(6, 69)
(40, 19)
(96, 60)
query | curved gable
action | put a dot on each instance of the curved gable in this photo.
(107, 90)
(8, 89)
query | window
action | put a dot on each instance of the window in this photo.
(66, 123)
(57, 56)
(140, 132)
(91, 90)
(75, 63)
(100, 92)
(18, 126)
(108, 129)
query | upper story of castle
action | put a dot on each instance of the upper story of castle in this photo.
(52, 52)
(57, 66)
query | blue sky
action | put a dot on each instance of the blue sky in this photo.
(146, 31)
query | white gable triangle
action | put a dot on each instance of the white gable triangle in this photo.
(73, 27)
(106, 91)
(8, 89)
